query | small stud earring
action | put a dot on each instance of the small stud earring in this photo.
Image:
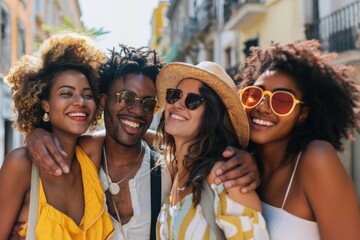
(46, 117)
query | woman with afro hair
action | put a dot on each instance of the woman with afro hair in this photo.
(300, 106)
(58, 91)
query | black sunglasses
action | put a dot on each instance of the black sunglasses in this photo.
(128, 99)
(192, 101)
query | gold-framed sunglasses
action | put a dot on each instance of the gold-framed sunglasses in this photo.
(282, 103)
(128, 100)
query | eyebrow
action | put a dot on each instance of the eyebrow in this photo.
(277, 89)
(73, 88)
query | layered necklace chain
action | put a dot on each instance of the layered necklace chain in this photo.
(114, 187)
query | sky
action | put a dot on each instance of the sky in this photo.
(127, 20)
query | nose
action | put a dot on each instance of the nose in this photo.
(264, 105)
(180, 104)
(79, 100)
(137, 107)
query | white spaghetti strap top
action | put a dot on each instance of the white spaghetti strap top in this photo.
(283, 225)
(291, 180)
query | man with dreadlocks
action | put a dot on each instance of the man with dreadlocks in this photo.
(133, 191)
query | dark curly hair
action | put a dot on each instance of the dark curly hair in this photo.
(129, 60)
(215, 134)
(32, 76)
(328, 89)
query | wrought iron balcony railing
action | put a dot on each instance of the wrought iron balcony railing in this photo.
(205, 14)
(229, 4)
(339, 31)
(190, 29)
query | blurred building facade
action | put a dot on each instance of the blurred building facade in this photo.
(224, 30)
(22, 24)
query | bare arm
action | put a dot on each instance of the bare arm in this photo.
(239, 170)
(44, 149)
(249, 199)
(331, 193)
(14, 184)
(92, 146)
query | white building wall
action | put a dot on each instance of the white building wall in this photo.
(9, 137)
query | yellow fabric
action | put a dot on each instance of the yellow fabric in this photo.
(185, 221)
(96, 223)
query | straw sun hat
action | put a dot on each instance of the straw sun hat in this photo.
(216, 78)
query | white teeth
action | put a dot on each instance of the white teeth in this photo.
(130, 123)
(263, 122)
(177, 117)
(77, 114)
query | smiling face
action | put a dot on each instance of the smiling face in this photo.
(183, 124)
(127, 126)
(71, 105)
(265, 126)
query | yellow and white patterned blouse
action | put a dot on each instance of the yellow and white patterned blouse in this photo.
(185, 221)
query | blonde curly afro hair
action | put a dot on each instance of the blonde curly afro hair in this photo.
(31, 77)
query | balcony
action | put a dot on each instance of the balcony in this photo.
(339, 32)
(241, 12)
(190, 29)
(206, 15)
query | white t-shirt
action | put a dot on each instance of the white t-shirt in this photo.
(139, 225)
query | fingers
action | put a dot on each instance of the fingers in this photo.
(251, 187)
(229, 152)
(59, 155)
(239, 175)
(239, 170)
(236, 157)
(46, 153)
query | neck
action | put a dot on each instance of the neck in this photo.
(121, 155)
(68, 144)
(181, 151)
(271, 156)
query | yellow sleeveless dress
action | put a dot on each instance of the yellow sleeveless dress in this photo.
(96, 223)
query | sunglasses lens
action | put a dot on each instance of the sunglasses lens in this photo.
(251, 96)
(126, 98)
(193, 101)
(172, 95)
(150, 106)
(282, 102)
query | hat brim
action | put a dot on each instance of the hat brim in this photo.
(173, 73)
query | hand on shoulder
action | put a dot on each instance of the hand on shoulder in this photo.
(249, 199)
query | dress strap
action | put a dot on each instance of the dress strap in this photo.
(291, 179)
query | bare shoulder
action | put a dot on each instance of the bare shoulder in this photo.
(321, 171)
(92, 146)
(329, 190)
(16, 165)
(319, 156)
(250, 199)
(17, 159)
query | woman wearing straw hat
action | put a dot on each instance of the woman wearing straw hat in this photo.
(202, 115)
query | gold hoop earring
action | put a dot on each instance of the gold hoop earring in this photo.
(46, 117)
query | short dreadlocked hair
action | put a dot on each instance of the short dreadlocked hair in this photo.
(328, 89)
(31, 78)
(129, 60)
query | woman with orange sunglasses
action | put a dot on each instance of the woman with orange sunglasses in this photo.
(300, 106)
